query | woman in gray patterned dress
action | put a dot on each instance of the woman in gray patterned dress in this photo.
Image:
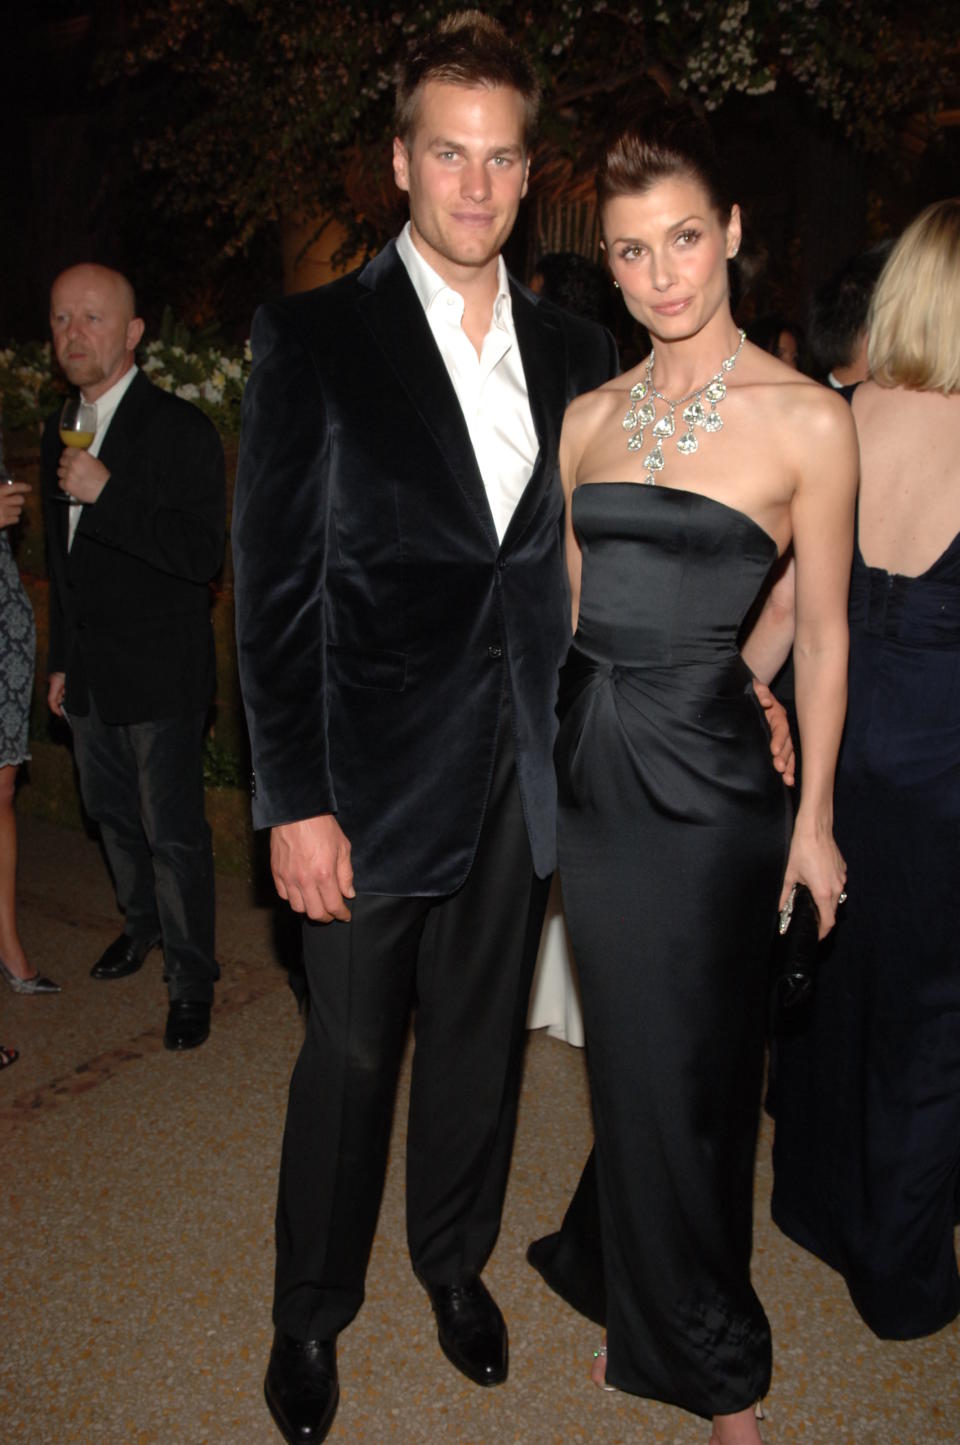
(17, 652)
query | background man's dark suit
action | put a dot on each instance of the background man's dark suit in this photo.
(396, 662)
(130, 627)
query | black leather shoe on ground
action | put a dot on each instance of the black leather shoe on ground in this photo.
(471, 1330)
(188, 1024)
(124, 955)
(301, 1388)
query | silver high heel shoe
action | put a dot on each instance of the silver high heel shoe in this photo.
(35, 984)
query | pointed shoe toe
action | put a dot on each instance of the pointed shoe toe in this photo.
(301, 1388)
(122, 957)
(35, 984)
(188, 1024)
(471, 1330)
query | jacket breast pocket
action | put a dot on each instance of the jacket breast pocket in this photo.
(380, 669)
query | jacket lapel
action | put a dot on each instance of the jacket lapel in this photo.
(126, 423)
(543, 351)
(124, 436)
(392, 313)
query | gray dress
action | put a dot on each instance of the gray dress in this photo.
(17, 655)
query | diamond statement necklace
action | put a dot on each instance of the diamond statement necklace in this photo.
(643, 413)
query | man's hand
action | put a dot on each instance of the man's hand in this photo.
(12, 497)
(56, 691)
(80, 475)
(310, 861)
(781, 743)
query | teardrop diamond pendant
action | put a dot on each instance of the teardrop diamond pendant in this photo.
(695, 415)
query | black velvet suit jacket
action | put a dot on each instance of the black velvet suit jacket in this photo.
(130, 602)
(379, 619)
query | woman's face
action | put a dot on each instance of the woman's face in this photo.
(668, 249)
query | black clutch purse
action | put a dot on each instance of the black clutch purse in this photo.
(796, 952)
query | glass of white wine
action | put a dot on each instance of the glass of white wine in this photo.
(78, 427)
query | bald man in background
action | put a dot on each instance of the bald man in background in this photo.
(135, 534)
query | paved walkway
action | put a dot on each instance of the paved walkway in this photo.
(136, 1208)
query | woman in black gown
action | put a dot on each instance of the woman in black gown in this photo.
(686, 479)
(867, 1147)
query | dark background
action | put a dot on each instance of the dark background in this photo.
(72, 189)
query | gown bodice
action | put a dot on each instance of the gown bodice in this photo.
(668, 575)
(920, 612)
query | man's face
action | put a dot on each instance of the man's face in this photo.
(95, 332)
(465, 173)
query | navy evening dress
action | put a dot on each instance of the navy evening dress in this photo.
(867, 1144)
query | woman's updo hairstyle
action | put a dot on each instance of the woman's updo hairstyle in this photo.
(659, 144)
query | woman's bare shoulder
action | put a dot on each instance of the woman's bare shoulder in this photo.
(797, 400)
(823, 409)
(589, 418)
(594, 408)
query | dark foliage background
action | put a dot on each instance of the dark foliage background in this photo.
(183, 141)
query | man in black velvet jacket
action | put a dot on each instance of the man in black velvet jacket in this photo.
(131, 647)
(402, 612)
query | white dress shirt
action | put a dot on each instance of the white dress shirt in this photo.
(491, 388)
(106, 406)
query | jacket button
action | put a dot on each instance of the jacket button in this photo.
(495, 650)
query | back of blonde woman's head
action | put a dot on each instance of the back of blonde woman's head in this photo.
(914, 321)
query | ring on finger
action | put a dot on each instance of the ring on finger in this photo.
(842, 899)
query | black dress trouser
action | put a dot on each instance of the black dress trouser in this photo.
(142, 783)
(464, 962)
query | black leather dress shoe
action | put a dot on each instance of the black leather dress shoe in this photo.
(188, 1024)
(471, 1330)
(301, 1388)
(124, 955)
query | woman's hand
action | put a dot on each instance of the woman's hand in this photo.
(816, 861)
(12, 497)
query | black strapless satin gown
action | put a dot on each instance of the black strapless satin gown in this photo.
(673, 835)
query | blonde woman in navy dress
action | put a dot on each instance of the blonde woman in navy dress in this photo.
(867, 1152)
(686, 480)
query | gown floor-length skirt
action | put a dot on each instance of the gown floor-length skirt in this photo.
(867, 1140)
(673, 836)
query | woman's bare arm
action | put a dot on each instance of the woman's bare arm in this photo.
(771, 637)
(822, 519)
